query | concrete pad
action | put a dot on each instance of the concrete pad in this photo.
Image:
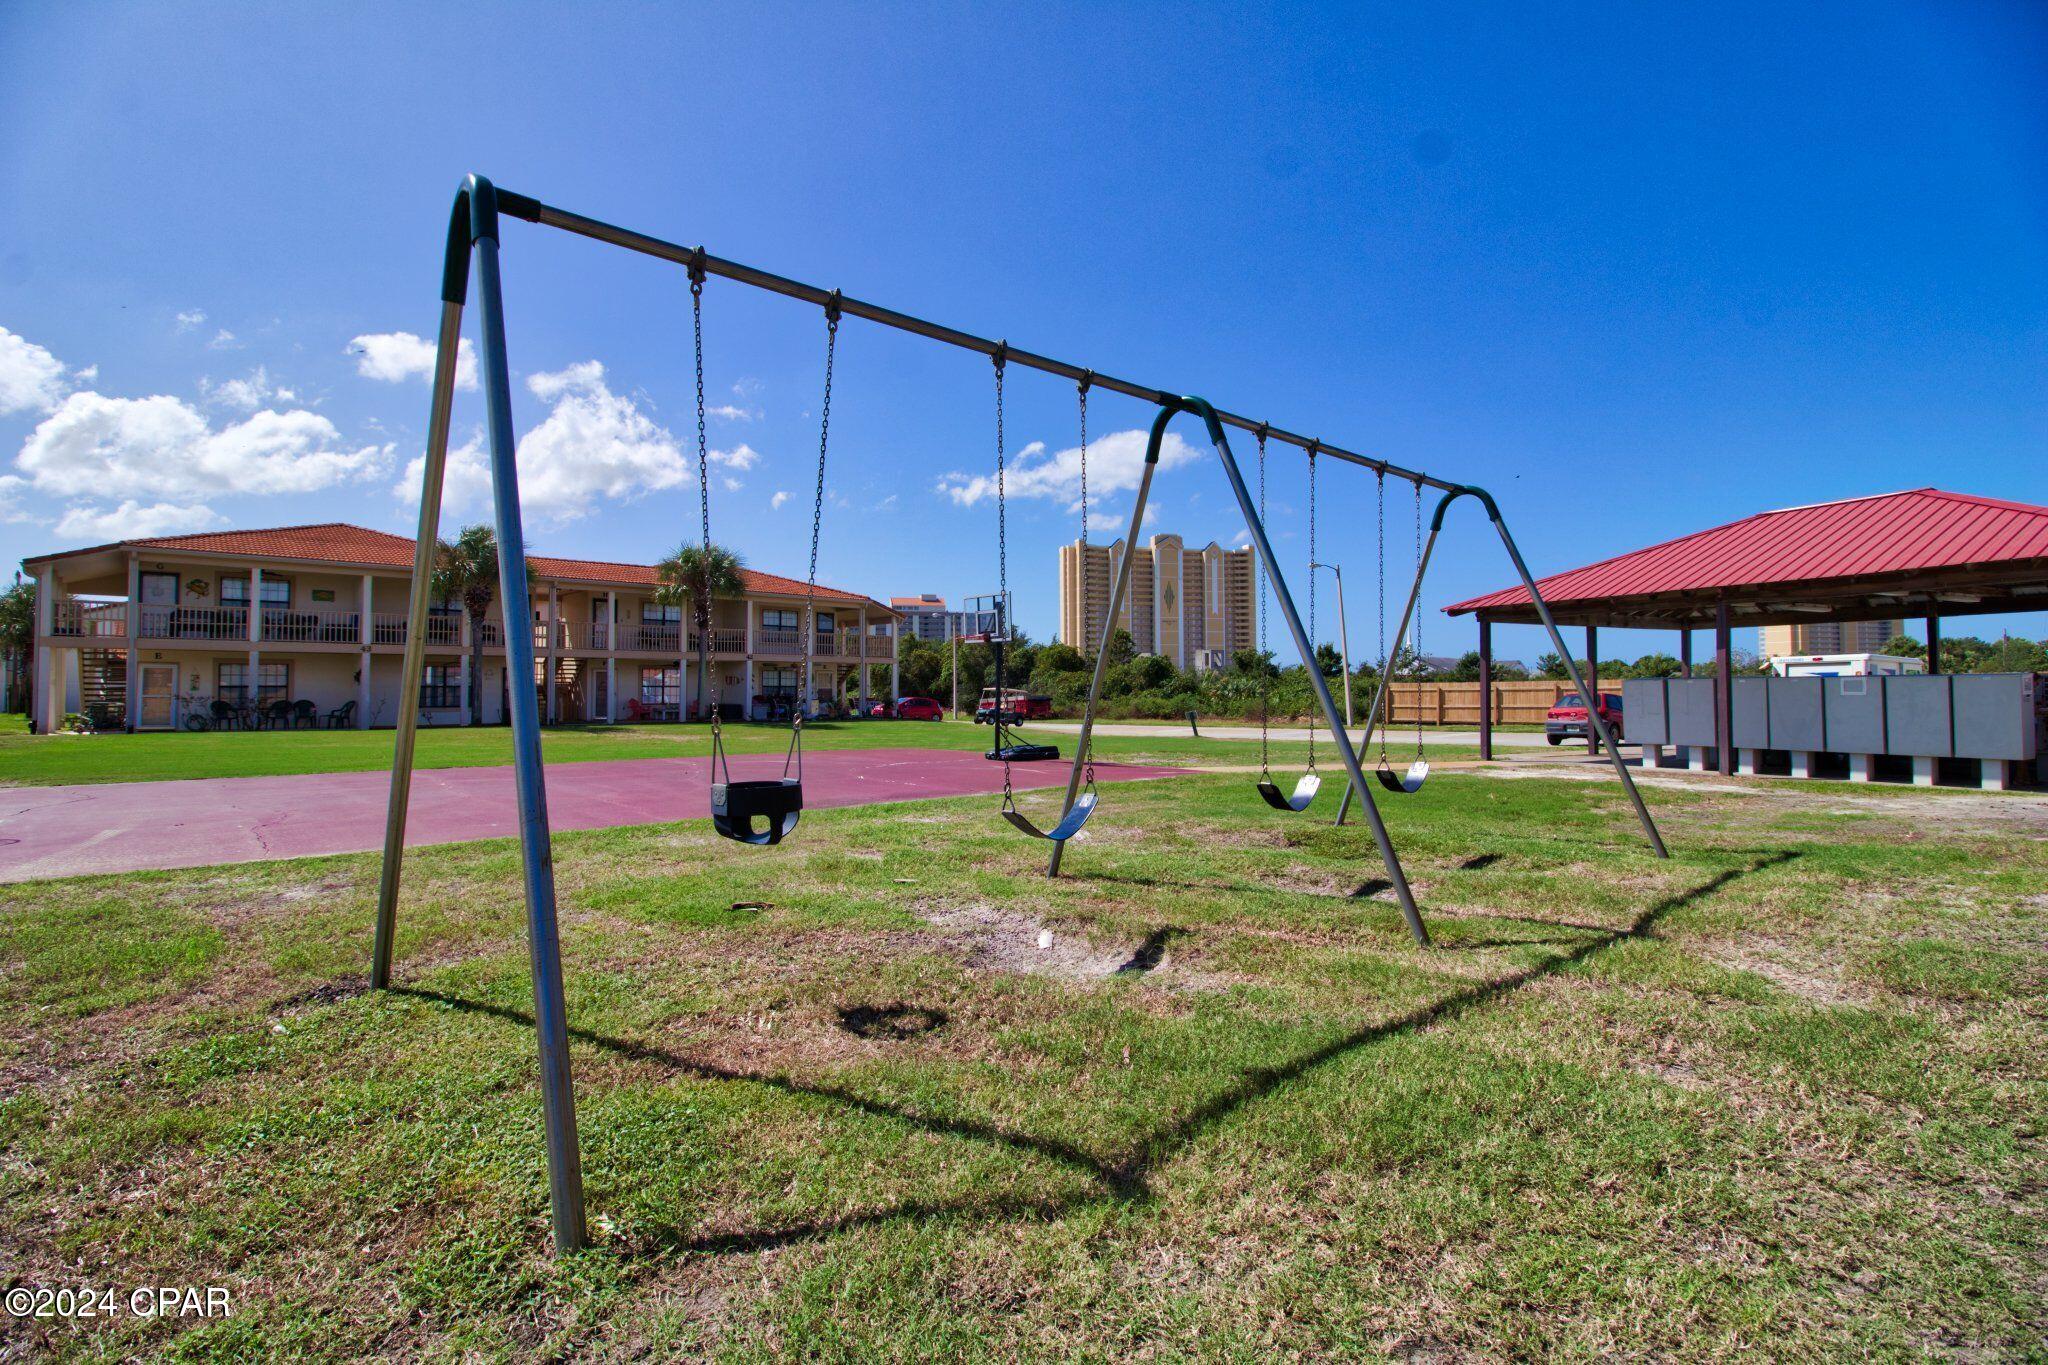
(133, 826)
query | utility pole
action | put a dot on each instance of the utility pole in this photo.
(953, 639)
(1343, 638)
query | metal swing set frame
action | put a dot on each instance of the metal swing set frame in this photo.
(473, 237)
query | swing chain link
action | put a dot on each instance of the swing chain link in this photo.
(1315, 662)
(1418, 619)
(999, 358)
(796, 724)
(1081, 567)
(697, 274)
(1386, 664)
(1265, 683)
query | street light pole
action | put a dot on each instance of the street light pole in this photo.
(1343, 637)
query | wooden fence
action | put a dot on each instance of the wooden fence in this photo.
(1457, 703)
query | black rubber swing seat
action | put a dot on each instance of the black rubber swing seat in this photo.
(776, 802)
(1069, 825)
(1410, 782)
(1304, 792)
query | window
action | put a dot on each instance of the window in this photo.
(277, 592)
(273, 683)
(779, 620)
(824, 619)
(655, 614)
(778, 680)
(661, 686)
(441, 687)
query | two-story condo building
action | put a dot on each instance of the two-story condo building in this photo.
(303, 625)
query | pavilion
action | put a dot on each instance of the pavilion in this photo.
(1924, 552)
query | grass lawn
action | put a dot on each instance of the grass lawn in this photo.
(1781, 1095)
(46, 760)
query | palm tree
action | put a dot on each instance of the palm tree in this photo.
(699, 575)
(466, 571)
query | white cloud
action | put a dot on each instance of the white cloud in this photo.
(733, 485)
(395, 357)
(1115, 463)
(10, 487)
(593, 446)
(741, 456)
(246, 394)
(31, 379)
(84, 521)
(1241, 540)
(189, 320)
(775, 503)
(224, 340)
(733, 413)
(96, 446)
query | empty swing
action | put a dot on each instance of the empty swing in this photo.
(1418, 770)
(1310, 782)
(1076, 815)
(762, 811)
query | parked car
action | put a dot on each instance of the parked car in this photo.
(918, 708)
(1567, 719)
(1018, 707)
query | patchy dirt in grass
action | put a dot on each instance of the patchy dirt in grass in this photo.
(1791, 968)
(990, 938)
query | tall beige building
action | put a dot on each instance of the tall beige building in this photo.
(1830, 637)
(1192, 606)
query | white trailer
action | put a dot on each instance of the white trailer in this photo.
(1844, 665)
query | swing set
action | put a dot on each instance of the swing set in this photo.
(764, 812)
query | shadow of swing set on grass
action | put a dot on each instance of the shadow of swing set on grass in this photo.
(765, 811)
(1126, 1177)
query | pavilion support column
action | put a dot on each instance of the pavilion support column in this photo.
(1934, 644)
(1685, 652)
(1723, 691)
(1485, 689)
(1593, 683)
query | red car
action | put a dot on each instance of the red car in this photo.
(1567, 719)
(919, 708)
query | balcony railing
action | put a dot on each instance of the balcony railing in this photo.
(69, 616)
(194, 623)
(285, 626)
(650, 637)
(389, 628)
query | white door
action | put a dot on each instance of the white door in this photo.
(159, 697)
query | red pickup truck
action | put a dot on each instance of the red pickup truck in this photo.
(1017, 707)
(1567, 719)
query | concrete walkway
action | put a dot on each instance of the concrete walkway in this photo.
(1502, 739)
(132, 826)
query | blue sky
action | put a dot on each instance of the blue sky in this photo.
(1638, 272)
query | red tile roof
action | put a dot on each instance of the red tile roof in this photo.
(341, 543)
(1857, 538)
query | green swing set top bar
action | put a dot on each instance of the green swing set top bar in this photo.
(530, 210)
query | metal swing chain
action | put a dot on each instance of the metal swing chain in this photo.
(1087, 378)
(1265, 683)
(1000, 357)
(703, 500)
(1418, 620)
(1386, 664)
(796, 724)
(1314, 662)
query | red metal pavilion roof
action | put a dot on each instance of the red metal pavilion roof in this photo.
(1874, 555)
